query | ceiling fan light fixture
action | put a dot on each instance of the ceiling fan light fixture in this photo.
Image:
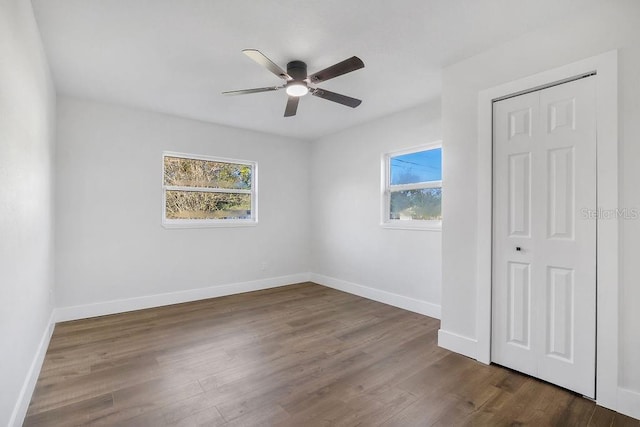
(297, 89)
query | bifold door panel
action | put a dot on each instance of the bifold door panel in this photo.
(544, 246)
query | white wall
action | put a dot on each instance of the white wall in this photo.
(111, 245)
(27, 114)
(350, 250)
(612, 25)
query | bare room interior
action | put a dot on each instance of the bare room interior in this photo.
(410, 213)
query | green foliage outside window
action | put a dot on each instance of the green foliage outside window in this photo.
(183, 172)
(183, 177)
(201, 205)
(422, 204)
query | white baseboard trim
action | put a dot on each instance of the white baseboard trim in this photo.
(64, 314)
(400, 301)
(628, 402)
(22, 404)
(457, 343)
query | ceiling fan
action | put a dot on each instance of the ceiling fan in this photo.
(297, 80)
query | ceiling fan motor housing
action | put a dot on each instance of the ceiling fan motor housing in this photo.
(297, 70)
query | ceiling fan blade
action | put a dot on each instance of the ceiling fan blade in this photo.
(261, 59)
(256, 90)
(292, 106)
(344, 67)
(336, 97)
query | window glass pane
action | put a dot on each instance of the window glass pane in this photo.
(206, 173)
(201, 205)
(422, 166)
(424, 204)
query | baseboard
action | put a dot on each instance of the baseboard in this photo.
(131, 304)
(400, 301)
(22, 405)
(629, 402)
(457, 343)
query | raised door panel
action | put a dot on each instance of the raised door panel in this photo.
(519, 305)
(560, 313)
(561, 193)
(519, 195)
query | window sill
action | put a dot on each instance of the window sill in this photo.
(209, 224)
(413, 225)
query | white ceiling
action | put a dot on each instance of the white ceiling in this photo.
(177, 56)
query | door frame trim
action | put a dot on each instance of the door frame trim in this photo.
(605, 66)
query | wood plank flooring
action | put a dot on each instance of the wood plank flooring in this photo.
(300, 355)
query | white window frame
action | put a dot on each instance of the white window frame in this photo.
(204, 223)
(387, 189)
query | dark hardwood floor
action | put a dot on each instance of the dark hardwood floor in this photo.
(301, 355)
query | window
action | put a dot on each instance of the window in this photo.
(202, 191)
(413, 188)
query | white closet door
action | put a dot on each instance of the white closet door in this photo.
(544, 243)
